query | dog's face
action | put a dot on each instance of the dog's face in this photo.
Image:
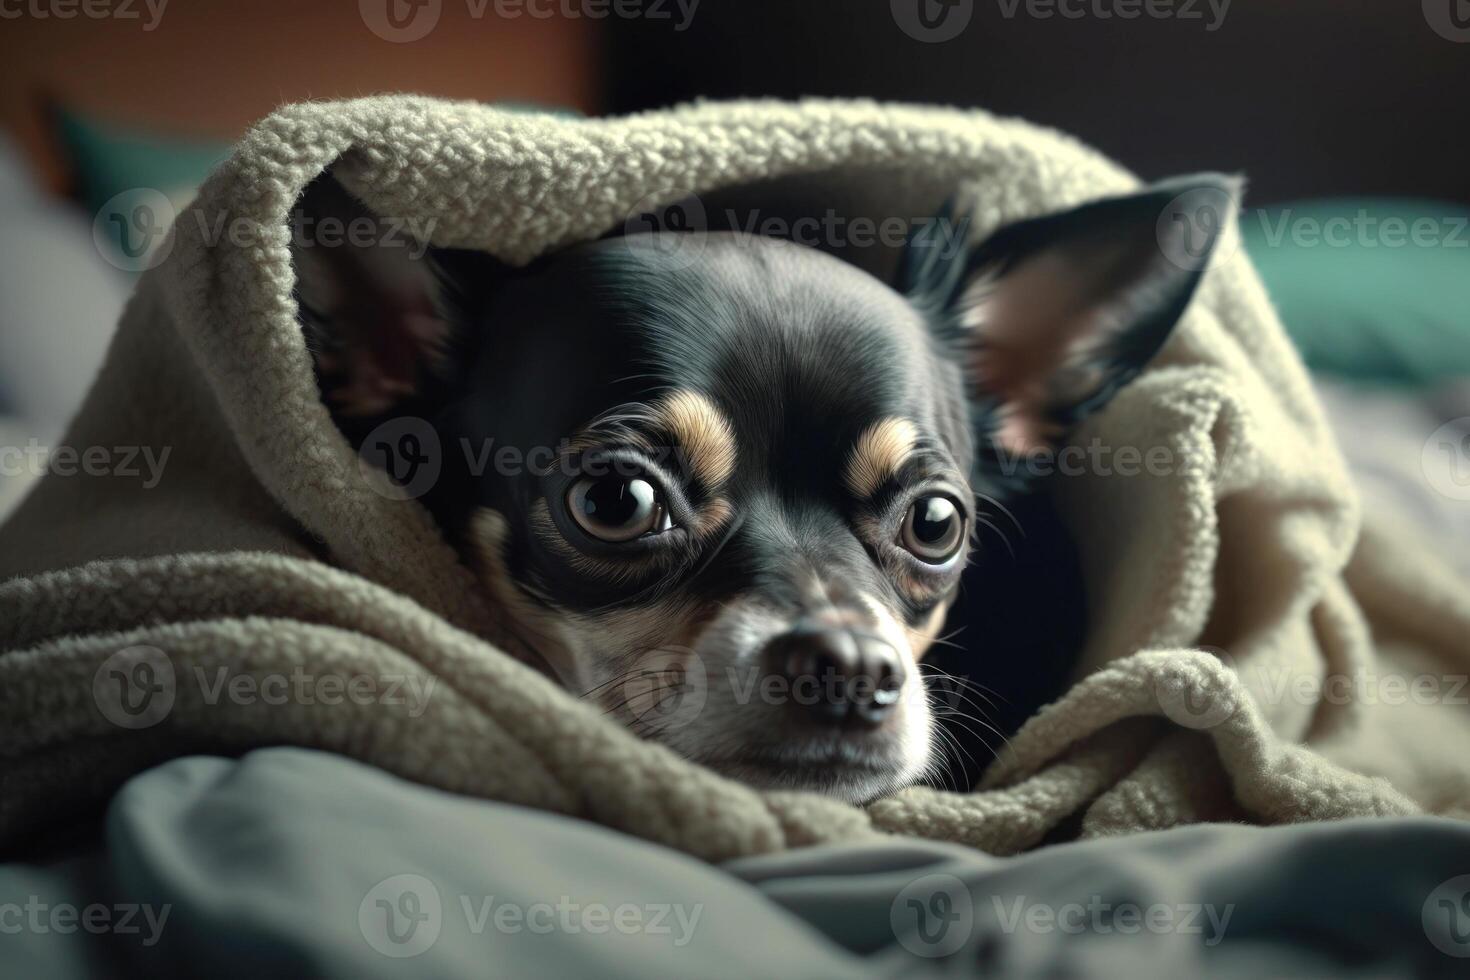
(730, 500)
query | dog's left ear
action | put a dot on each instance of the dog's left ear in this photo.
(1051, 316)
(385, 316)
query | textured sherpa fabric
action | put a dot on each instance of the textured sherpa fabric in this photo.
(1223, 588)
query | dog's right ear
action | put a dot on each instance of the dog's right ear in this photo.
(384, 314)
(1051, 316)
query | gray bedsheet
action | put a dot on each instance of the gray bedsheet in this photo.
(296, 863)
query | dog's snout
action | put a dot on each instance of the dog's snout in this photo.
(837, 675)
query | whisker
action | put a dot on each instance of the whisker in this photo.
(959, 720)
(964, 683)
(992, 502)
(950, 749)
(619, 679)
(998, 533)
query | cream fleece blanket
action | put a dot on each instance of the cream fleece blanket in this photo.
(1232, 670)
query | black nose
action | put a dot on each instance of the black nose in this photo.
(837, 675)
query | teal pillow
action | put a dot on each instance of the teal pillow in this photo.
(133, 182)
(1376, 290)
(110, 158)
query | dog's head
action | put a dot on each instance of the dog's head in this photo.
(730, 499)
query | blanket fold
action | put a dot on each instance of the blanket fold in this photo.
(265, 590)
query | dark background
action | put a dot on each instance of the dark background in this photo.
(1305, 97)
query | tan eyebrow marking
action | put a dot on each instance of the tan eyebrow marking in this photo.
(702, 431)
(923, 636)
(605, 429)
(878, 454)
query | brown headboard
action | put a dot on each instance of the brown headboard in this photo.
(210, 67)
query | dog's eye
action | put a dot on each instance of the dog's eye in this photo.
(617, 508)
(933, 529)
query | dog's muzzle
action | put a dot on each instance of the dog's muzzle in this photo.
(837, 676)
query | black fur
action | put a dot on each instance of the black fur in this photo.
(802, 352)
(800, 372)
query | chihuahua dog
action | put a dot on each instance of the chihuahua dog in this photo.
(763, 472)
